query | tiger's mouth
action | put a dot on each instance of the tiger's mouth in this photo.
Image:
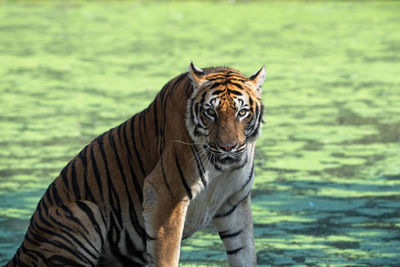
(215, 155)
(228, 159)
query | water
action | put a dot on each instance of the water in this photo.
(327, 185)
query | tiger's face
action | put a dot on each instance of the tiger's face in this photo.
(224, 113)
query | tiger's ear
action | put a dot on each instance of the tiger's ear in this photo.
(257, 79)
(196, 75)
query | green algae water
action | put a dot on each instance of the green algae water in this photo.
(327, 187)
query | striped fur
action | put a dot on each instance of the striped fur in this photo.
(131, 195)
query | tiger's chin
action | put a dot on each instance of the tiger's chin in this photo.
(224, 161)
(228, 160)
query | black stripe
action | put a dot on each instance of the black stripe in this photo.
(164, 106)
(42, 219)
(203, 97)
(249, 178)
(188, 88)
(224, 235)
(116, 207)
(254, 125)
(61, 260)
(86, 209)
(235, 78)
(216, 92)
(20, 263)
(237, 85)
(23, 264)
(48, 197)
(64, 175)
(225, 74)
(185, 185)
(200, 167)
(234, 92)
(257, 112)
(138, 228)
(241, 165)
(46, 209)
(253, 122)
(229, 212)
(156, 133)
(70, 230)
(132, 212)
(241, 102)
(59, 244)
(180, 78)
(163, 123)
(119, 166)
(131, 249)
(193, 109)
(169, 88)
(139, 160)
(114, 237)
(163, 100)
(234, 251)
(70, 215)
(197, 132)
(203, 122)
(251, 102)
(140, 132)
(96, 173)
(214, 161)
(30, 252)
(131, 169)
(197, 108)
(82, 153)
(260, 119)
(80, 244)
(56, 196)
(74, 180)
(216, 76)
(27, 238)
(164, 90)
(144, 127)
(88, 192)
(164, 176)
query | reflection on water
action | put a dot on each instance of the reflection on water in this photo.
(327, 186)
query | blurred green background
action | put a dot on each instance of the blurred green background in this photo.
(327, 188)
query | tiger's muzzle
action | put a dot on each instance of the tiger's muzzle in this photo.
(226, 154)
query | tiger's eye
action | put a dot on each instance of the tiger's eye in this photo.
(242, 112)
(210, 112)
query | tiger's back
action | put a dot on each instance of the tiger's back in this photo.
(134, 192)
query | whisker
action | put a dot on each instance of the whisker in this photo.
(208, 160)
(185, 143)
(259, 156)
(199, 154)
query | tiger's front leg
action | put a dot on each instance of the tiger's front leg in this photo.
(235, 228)
(164, 217)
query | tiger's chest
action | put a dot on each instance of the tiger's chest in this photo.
(210, 199)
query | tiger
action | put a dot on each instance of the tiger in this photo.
(135, 192)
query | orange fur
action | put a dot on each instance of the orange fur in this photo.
(124, 199)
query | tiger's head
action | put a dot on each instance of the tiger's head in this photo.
(224, 113)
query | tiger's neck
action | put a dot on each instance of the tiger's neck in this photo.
(161, 123)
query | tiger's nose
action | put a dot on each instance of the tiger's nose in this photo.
(227, 147)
